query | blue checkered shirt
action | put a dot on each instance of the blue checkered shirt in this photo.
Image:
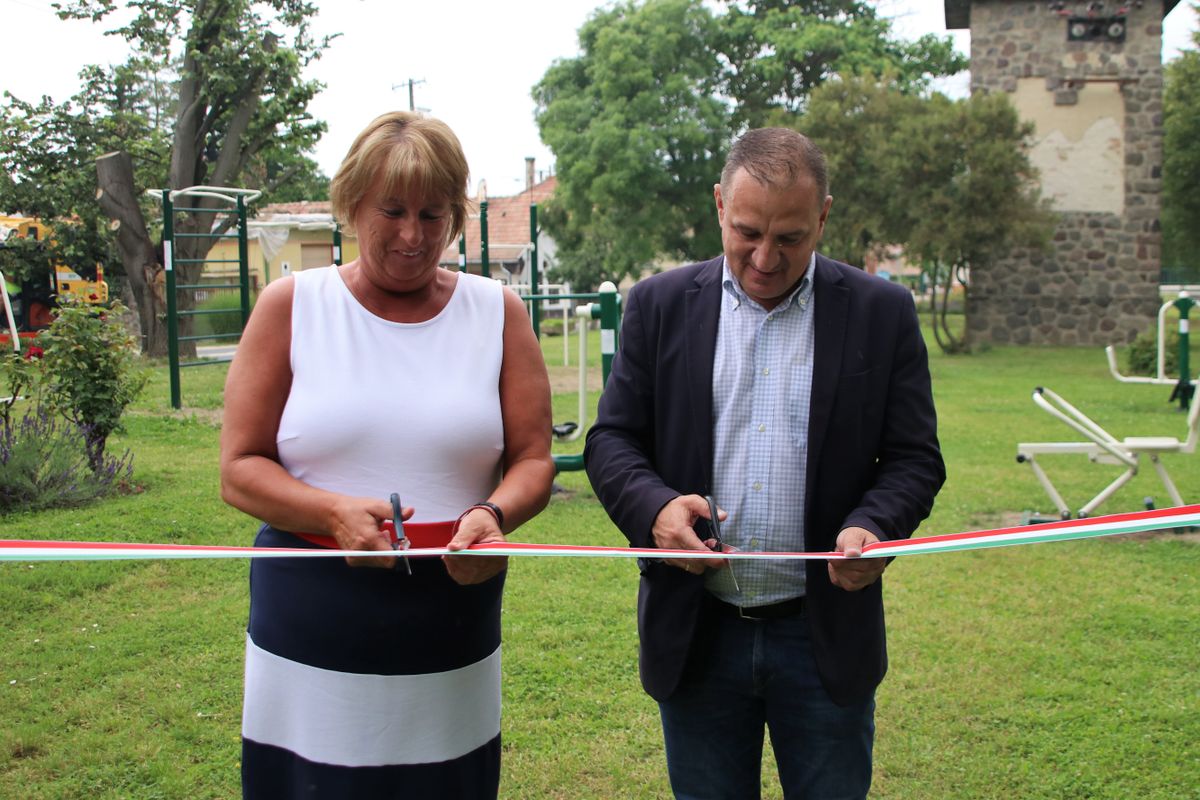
(762, 385)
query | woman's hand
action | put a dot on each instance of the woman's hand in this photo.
(477, 526)
(355, 524)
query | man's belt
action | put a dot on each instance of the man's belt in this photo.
(780, 610)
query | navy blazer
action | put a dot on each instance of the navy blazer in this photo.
(873, 459)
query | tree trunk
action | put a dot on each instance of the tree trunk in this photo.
(118, 200)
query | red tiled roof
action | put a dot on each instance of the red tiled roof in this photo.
(508, 226)
(300, 207)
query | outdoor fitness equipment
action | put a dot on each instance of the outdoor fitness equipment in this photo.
(1101, 447)
(235, 201)
(608, 311)
(1185, 387)
(604, 305)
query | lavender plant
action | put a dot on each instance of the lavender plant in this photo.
(45, 463)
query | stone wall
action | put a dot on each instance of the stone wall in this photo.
(1098, 282)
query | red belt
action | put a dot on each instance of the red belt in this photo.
(420, 534)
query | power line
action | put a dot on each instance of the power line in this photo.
(410, 83)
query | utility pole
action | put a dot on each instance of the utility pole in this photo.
(410, 83)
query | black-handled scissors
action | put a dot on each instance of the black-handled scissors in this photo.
(714, 525)
(401, 542)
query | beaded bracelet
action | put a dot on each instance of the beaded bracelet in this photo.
(492, 507)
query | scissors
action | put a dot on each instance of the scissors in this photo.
(714, 524)
(402, 542)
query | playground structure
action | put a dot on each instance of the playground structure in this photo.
(235, 201)
(1185, 387)
(607, 310)
(1101, 447)
(541, 297)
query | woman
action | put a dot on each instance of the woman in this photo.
(385, 375)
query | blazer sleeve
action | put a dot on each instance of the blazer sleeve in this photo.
(909, 469)
(620, 451)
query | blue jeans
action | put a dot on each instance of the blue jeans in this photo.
(743, 675)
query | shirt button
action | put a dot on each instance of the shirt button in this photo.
(767, 371)
(754, 543)
(761, 427)
(757, 486)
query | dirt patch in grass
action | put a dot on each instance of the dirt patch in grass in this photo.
(564, 380)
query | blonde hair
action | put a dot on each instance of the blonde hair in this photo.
(407, 151)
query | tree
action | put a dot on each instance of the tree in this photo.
(950, 180)
(1181, 160)
(635, 127)
(227, 109)
(46, 168)
(778, 51)
(641, 120)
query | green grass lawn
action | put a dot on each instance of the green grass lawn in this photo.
(1047, 671)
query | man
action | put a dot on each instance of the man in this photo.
(795, 390)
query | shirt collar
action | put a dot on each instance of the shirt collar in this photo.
(803, 290)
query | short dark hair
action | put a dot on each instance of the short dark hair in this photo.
(777, 157)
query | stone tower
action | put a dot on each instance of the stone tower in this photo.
(1088, 75)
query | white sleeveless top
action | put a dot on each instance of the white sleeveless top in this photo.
(378, 407)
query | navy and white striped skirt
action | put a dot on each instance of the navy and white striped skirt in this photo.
(369, 683)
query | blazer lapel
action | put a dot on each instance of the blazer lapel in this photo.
(832, 301)
(702, 309)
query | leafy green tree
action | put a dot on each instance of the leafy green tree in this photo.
(854, 123)
(46, 171)
(640, 120)
(951, 180)
(777, 51)
(212, 94)
(636, 127)
(1181, 160)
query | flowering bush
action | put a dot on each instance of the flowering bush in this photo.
(91, 370)
(45, 463)
(71, 385)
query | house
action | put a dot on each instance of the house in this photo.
(509, 245)
(284, 237)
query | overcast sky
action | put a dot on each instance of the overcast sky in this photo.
(477, 61)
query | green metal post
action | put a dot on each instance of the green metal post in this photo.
(172, 311)
(1184, 390)
(535, 308)
(486, 268)
(462, 252)
(609, 323)
(337, 244)
(243, 261)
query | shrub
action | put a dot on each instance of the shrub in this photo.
(45, 462)
(91, 370)
(1143, 353)
(229, 303)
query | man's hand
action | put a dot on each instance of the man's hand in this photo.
(854, 573)
(674, 530)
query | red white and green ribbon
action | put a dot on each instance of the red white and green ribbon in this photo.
(1162, 519)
